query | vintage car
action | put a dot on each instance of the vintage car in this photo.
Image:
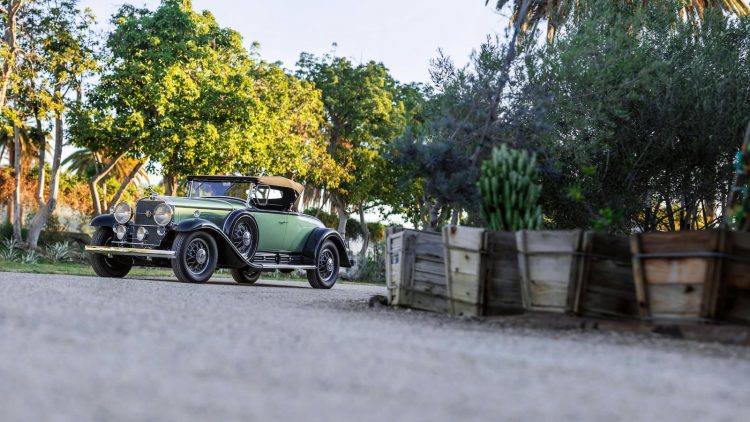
(246, 224)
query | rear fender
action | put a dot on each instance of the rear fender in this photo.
(316, 239)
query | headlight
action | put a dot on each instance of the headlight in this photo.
(123, 212)
(141, 234)
(120, 231)
(163, 214)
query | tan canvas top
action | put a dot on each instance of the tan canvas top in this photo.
(281, 182)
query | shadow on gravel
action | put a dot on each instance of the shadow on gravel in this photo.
(222, 283)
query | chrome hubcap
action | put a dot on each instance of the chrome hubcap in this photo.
(242, 237)
(196, 256)
(200, 256)
(326, 265)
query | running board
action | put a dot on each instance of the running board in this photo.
(284, 267)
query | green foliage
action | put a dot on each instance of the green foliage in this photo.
(181, 90)
(328, 219)
(364, 114)
(29, 257)
(643, 113)
(59, 251)
(373, 270)
(509, 188)
(9, 249)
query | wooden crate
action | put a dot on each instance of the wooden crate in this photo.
(415, 271)
(482, 272)
(693, 275)
(604, 282)
(547, 260)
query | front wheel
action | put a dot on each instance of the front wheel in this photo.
(107, 265)
(196, 257)
(327, 267)
(245, 275)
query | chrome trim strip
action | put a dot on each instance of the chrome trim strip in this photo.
(286, 267)
(111, 250)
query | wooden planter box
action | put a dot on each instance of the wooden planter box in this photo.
(693, 275)
(415, 270)
(574, 271)
(548, 263)
(482, 271)
(604, 282)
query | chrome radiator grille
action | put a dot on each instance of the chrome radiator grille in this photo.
(144, 212)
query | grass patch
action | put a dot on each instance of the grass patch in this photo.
(75, 268)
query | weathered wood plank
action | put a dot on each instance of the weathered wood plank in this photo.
(415, 273)
(675, 299)
(550, 268)
(551, 241)
(684, 270)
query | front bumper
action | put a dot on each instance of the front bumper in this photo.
(144, 253)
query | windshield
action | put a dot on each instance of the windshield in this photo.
(207, 189)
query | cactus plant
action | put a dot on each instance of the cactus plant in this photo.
(509, 188)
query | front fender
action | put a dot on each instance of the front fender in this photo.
(103, 220)
(315, 241)
(227, 251)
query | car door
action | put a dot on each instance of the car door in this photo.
(272, 227)
(271, 223)
(298, 229)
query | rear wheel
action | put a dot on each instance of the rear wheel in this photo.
(327, 267)
(107, 265)
(245, 275)
(196, 257)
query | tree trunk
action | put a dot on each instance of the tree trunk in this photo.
(455, 215)
(670, 213)
(127, 181)
(17, 191)
(510, 55)
(93, 182)
(170, 184)
(9, 64)
(342, 214)
(365, 241)
(46, 210)
(42, 154)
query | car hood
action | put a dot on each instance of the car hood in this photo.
(204, 203)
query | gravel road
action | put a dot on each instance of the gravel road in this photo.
(84, 348)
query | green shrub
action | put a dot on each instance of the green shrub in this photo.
(59, 251)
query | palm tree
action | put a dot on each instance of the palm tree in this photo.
(89, 164)
(554, 12)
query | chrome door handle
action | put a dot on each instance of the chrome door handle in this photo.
(283, 222)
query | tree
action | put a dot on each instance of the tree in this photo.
(644, 123)
(9, 49)
(183, 92)
(363, 115)
(556, 12)
(65, 54)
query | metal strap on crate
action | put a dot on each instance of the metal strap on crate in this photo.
(678, 255)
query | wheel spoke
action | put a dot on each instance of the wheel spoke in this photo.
(196, 256)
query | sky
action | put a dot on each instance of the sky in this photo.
(403, 34)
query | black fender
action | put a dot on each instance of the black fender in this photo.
(103, 220)
(315, 241)
(234, 215)
(228, 254)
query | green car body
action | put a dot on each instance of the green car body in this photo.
(246, 224)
